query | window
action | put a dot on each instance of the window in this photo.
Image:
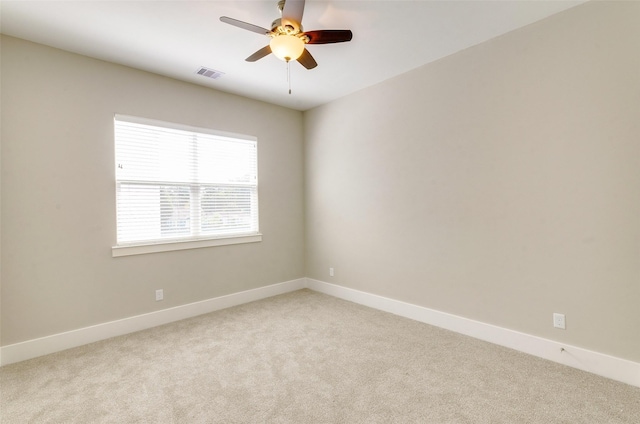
(181, 187)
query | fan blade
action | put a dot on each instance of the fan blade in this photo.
(328, 36)
(259, 54)
(292, 13)
(244, 25)
(307, 60)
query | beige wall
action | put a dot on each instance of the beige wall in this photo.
(58, 194)
(501, 183)
(0, 206)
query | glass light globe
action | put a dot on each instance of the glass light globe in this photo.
(286, 47)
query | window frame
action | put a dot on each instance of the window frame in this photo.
(182, 243)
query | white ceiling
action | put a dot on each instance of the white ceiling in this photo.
(175, 38)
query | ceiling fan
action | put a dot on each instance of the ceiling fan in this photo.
(288, 39)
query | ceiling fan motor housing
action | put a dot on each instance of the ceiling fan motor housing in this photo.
(276, 26)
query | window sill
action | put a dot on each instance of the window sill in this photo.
(141, 249)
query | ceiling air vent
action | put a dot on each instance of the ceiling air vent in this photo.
(209, 73)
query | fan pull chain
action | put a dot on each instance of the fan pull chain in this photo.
(289, 74)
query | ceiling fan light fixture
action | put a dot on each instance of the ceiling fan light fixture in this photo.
(287, 47)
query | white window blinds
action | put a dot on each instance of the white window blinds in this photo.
(178, 183)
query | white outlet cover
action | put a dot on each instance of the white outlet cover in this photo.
(559, 321)
(159, 294)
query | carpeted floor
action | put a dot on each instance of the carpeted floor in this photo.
(305, 357)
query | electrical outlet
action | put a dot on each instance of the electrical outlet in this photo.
(559, 321)
(330, 272)
(159, 294)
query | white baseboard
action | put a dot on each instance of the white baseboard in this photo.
(597, 363)
(57, 342)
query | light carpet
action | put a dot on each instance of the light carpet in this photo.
(305, 357)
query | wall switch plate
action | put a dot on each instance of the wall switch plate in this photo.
(330, 272)
(559, 321)
(159, 294)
